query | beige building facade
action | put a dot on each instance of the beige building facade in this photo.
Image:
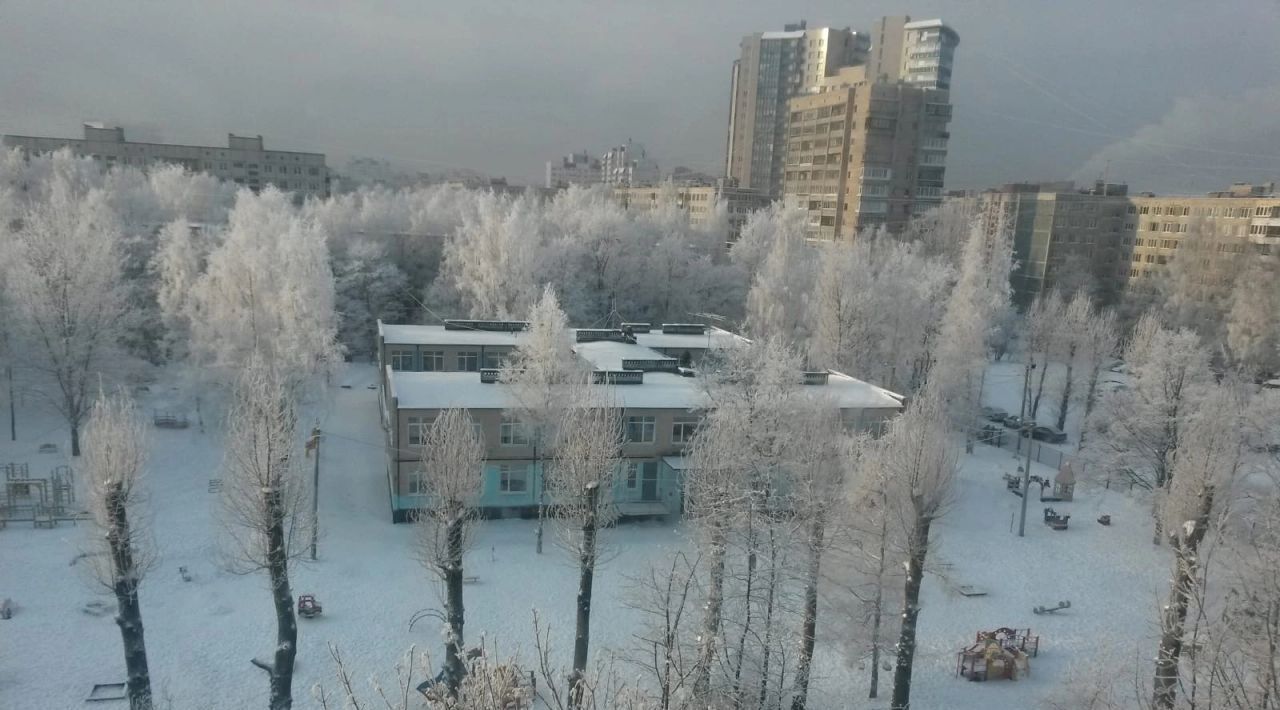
(1125, 243)
(244, 160)
(699, 202)
(772, 68)
(862, 154)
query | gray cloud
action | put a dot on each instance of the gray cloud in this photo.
(502, 87)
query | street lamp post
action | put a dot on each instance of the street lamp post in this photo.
(1025, 430)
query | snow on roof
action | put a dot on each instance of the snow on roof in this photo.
(393, 334)
(715, 338)
(660, 390)
(400, 334)
(608, 354)
(779, 34)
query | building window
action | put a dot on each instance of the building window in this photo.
(633, 475)
(683, 429)
(513, 478)
(433, 361)
(417, 483)
(468, 361)
(401, 359)
(640, 430)
(417, 427)
(513, 434)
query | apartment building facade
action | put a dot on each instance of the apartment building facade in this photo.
(628, 165)
(864, 153)
(574, 169)
(1125, 243)
(244, 160)
(699, 202)
(774, 67)
(659, 403)
(920, 53)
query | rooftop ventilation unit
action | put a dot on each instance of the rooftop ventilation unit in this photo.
(684, 328)
(816, 378)
(654, 365)
(637, 327)
(592, 335)
(617, 377)
(494, 326)
(489, 376)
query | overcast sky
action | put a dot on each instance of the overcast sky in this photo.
(1170, 95)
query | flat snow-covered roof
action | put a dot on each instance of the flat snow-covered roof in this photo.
(661, 390)
(393, 334)
(399, 334)
(608, 355)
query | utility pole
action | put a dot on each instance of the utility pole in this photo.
(13, 421)
(314, 444)
(1026, 470)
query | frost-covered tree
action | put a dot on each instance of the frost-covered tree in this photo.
(263, 495)
(762, 230)
(777, 301)
(920, 464)
(177, 265)
(1196, 290)
(588, 452)
(70, 304)
(1101, 337)
(538, 372)
(452, 461)
(367, 287)
(736, 456)
(1210, 446)
(267, 292)
(1253, 323)
(120, 545)
(1044, 336)
(980, 294)
(494, 261)
(1138, 427)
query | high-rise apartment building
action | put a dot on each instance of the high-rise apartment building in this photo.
(773, 68)
(863, 153)
(920, 53)
(628, 165)
(574, 169)
(243, 160)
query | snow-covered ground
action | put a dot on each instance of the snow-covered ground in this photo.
(201, 634)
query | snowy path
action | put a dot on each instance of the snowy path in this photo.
(201, 634)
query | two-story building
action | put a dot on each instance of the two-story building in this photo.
(660, 399)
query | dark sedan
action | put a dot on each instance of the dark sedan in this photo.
(1051, 434)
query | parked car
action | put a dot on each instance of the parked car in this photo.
(1012, 421)
(1051, 434)
(994, 414)
(988, 433)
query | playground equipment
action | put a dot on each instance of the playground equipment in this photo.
(1054, 520)
(1051, 609)
(1003, 654)
(308, 607)
(170, 420)
(1104, 519)
(41, 500)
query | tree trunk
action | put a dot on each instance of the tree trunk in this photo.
(1065, 401)
(542, 493)
(454, 614)
(711, 616)
(1035, 402)
(586, 575)
(746, 618)
(919, 547)
(1186, 568)
(808, 626)
(129, 618)
(286, 622)
(768, 619)
(1090, 399)
(75, 438)
(878, 604)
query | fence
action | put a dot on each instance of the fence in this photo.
(1000, 437)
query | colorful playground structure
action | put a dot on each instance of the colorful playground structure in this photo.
(1001, 654)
